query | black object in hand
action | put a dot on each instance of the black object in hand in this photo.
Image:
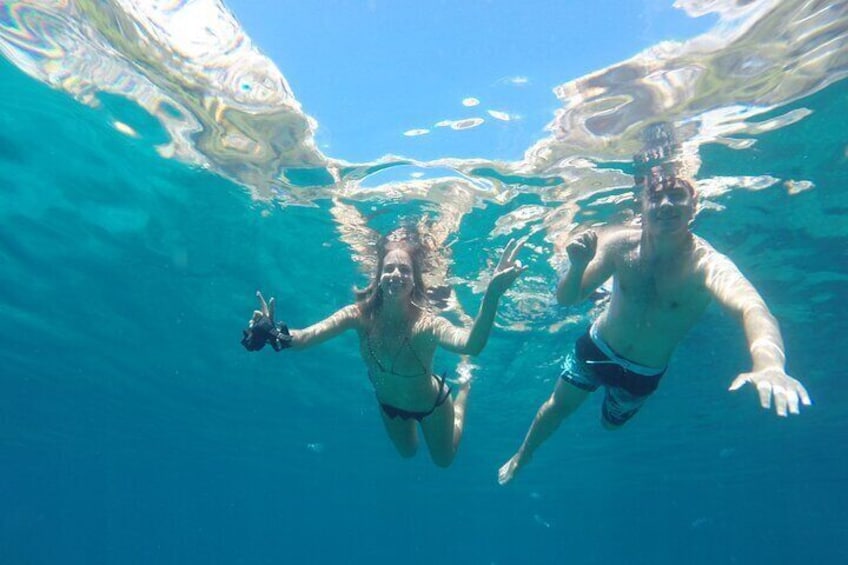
(262, 331)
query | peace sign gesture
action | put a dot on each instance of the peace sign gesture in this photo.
(262, 329)
(266, 310)
(509, 268)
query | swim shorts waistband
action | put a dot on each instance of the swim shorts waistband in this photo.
(614, 357)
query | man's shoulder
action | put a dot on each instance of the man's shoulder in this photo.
(710, 260)
(704, 251)
(621, 238)
(702, 244)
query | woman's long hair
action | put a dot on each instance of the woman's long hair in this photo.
(370, 298)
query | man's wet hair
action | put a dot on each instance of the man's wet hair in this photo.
(657, 167)
(661, 183)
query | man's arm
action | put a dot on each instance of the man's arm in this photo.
(736, 294)
(591, 264)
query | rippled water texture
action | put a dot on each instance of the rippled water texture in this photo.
(227, 107)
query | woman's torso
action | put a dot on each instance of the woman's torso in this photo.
(399, 360)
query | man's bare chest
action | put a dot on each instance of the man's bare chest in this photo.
(673, 289)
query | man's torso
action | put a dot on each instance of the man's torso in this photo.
(653, 303)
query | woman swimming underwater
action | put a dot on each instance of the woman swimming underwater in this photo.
(398, 335)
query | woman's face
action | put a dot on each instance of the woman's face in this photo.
(396, 277)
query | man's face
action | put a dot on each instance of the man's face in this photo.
(668, 203)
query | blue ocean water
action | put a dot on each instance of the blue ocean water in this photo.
(135, 429)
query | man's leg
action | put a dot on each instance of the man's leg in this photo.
(564, 400)
(619, 407)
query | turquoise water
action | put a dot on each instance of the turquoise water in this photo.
(135, 429)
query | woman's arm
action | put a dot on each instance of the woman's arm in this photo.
(342, 320)
(471, 342)
(262, 328)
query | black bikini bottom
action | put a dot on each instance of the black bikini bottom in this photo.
(444, 393)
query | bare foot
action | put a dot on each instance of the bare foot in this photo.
(463, 374)
(508, 470)
(463, 385)
(459, 404)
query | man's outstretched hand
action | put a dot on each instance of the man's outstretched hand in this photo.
(788, 393)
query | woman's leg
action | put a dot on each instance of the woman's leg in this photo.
(443, 428)
(403, 434)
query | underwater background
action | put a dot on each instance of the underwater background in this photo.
(151, 184)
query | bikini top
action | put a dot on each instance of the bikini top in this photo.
(391, 369)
